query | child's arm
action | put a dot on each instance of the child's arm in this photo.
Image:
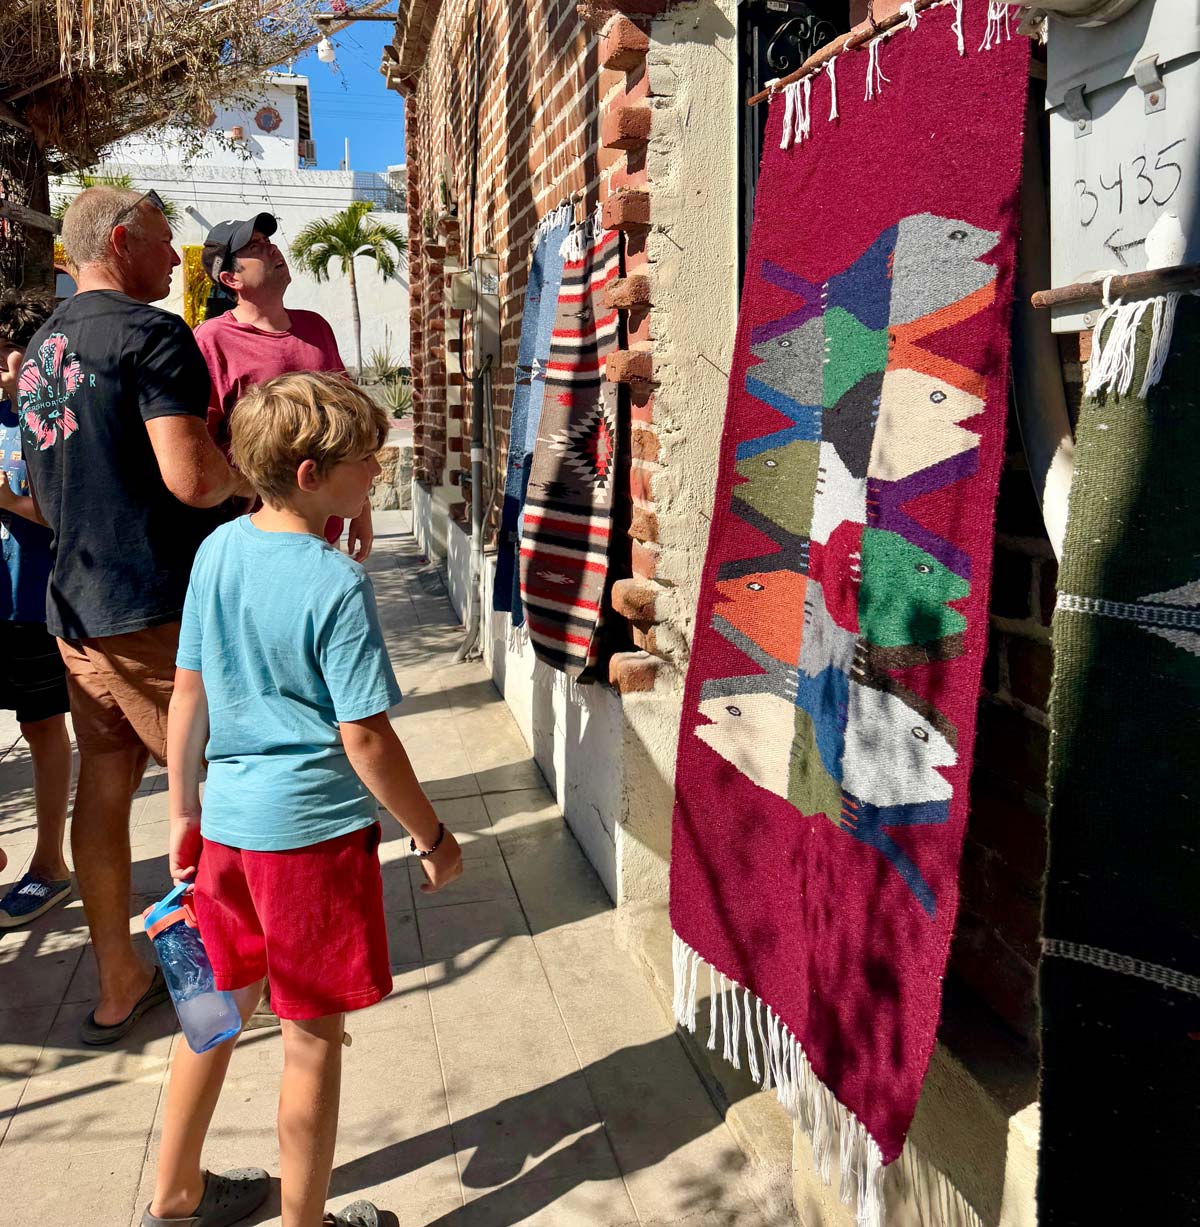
(379, 759)
(187, 735)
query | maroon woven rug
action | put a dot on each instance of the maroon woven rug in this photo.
(829, 712)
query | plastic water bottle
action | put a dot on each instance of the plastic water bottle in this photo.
(207, 1014)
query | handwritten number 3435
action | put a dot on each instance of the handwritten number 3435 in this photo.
(1144, 186)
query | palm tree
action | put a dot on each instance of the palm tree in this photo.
(85, 180)
(344, 236)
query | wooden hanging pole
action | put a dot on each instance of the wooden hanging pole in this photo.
(844, 42)
(1139, 285)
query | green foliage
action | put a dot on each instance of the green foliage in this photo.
(347, 234)
(85, 179)
(381, 366)
(397, 397)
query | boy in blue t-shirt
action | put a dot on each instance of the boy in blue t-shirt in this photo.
(284, 685)
(32, 675)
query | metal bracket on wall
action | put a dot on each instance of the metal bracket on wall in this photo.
(1149, 78)
(1078, 111)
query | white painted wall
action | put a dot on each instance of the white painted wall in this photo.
(220, 185)
(273, 148)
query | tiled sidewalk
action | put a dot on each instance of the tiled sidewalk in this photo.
(522, 1071)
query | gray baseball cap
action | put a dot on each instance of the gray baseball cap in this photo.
(225, 239)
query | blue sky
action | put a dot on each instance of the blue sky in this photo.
(349, 99)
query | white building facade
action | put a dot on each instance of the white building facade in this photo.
(260, 158)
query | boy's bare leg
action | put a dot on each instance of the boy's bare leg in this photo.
(309, 1096)
(100, 847)
(50, 750)
(192, 1095)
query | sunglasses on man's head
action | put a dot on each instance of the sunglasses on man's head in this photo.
(152, 196)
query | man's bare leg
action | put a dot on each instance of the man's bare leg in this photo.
(50, 750)
(100, 848)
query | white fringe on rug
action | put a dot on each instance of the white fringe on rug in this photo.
(777, 1060)
(1114, 344)
(552, 220)
(998, 29)
(580, 236)
(797, 95)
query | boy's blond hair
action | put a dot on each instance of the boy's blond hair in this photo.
(306, 415)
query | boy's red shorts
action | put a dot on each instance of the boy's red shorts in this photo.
(309, 919)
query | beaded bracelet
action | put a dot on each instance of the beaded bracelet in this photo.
(437, 843)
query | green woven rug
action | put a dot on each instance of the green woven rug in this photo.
(1120, 977)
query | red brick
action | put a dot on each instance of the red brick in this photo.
(1011, 822)
(625, 127)
(999, 976)
(1030, 665)
(643, 525)
(623, 45)
(646, 639)
(1011, 746)
(637, 329)
(627, 210)
(641, 484)
(629, 366)
(627, 292)
(635, 599)
(633, 672)
(643, 445)
(644, 560)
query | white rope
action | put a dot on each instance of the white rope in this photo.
(909, 10)
(831, 73)
(789, 114)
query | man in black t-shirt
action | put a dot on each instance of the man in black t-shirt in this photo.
(113, 401)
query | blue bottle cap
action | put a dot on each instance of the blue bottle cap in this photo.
(165, 906)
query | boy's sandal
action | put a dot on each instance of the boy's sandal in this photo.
(227, 1199)
(95, 1033)
(31, 897)
(357, 1214)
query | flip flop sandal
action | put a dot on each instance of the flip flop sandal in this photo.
(227, 1199)
(357, 1214)
(96, 1034)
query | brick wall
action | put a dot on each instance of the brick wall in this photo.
(538, 142)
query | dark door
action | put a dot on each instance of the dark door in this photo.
(774, 38)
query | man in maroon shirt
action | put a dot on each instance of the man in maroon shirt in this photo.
(259, 338)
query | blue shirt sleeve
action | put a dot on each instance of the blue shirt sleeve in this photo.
(188, 654)
(353, 659)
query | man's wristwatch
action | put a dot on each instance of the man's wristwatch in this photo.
(437, 843)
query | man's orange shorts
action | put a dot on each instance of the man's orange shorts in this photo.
(120, 687)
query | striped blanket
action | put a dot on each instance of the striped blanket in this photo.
(568, 507)
(537, 324)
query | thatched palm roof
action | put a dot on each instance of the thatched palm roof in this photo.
(83, 73)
